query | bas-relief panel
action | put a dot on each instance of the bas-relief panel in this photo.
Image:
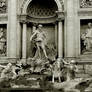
(85, 3)
(3, 6)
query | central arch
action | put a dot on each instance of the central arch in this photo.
(42, 9)
(42, 12)
(45, 14)
(26, 3)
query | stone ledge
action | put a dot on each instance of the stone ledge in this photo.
(20, 90)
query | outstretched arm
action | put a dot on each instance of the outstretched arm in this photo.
(2, 66)
(65, 62)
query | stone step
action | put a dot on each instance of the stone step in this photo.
(82, 75)
(5, 61)
(72, 90)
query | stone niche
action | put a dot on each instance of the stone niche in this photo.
(42, 9)
(3, 40)
(83, 33)
(42, 12)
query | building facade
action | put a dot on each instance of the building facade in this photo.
(64, 21)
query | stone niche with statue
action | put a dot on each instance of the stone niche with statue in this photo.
(50, 45)
(45, 14)
(3, 44)
(86, 36)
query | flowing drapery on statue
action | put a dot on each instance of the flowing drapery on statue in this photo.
(2, 42)
(40, 40)
(88, 37)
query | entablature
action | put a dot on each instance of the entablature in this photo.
(3, 17)
(50, 19)
(85, 12)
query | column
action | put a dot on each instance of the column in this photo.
(24, 41)
(60, 32)
(19, 38)
(56, 36)
(12, 28)
(60, 39)
(70, 31)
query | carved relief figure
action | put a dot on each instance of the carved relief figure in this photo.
(2, 6)
(2, 41)
(85, 3)
(2, 3)
(5, 71)
(40, 41)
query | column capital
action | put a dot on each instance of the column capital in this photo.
(23, 18)
(55, 23)
(34, 24)
(59, 19)
(60, 14)
(24, 21)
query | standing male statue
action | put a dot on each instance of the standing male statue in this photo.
(88, 37)
(40, 41)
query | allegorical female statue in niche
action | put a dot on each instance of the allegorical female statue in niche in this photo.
(40, 41)
(87, 37)
(2, 41)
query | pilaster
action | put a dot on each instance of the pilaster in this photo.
(60, 33)
(70, 31)
(12, 27)
(77, 27)
(56, 35)
(24, 41)
(60, 39)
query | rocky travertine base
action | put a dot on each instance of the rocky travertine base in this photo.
(36, 81)
(89, 89)
(37, 75)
